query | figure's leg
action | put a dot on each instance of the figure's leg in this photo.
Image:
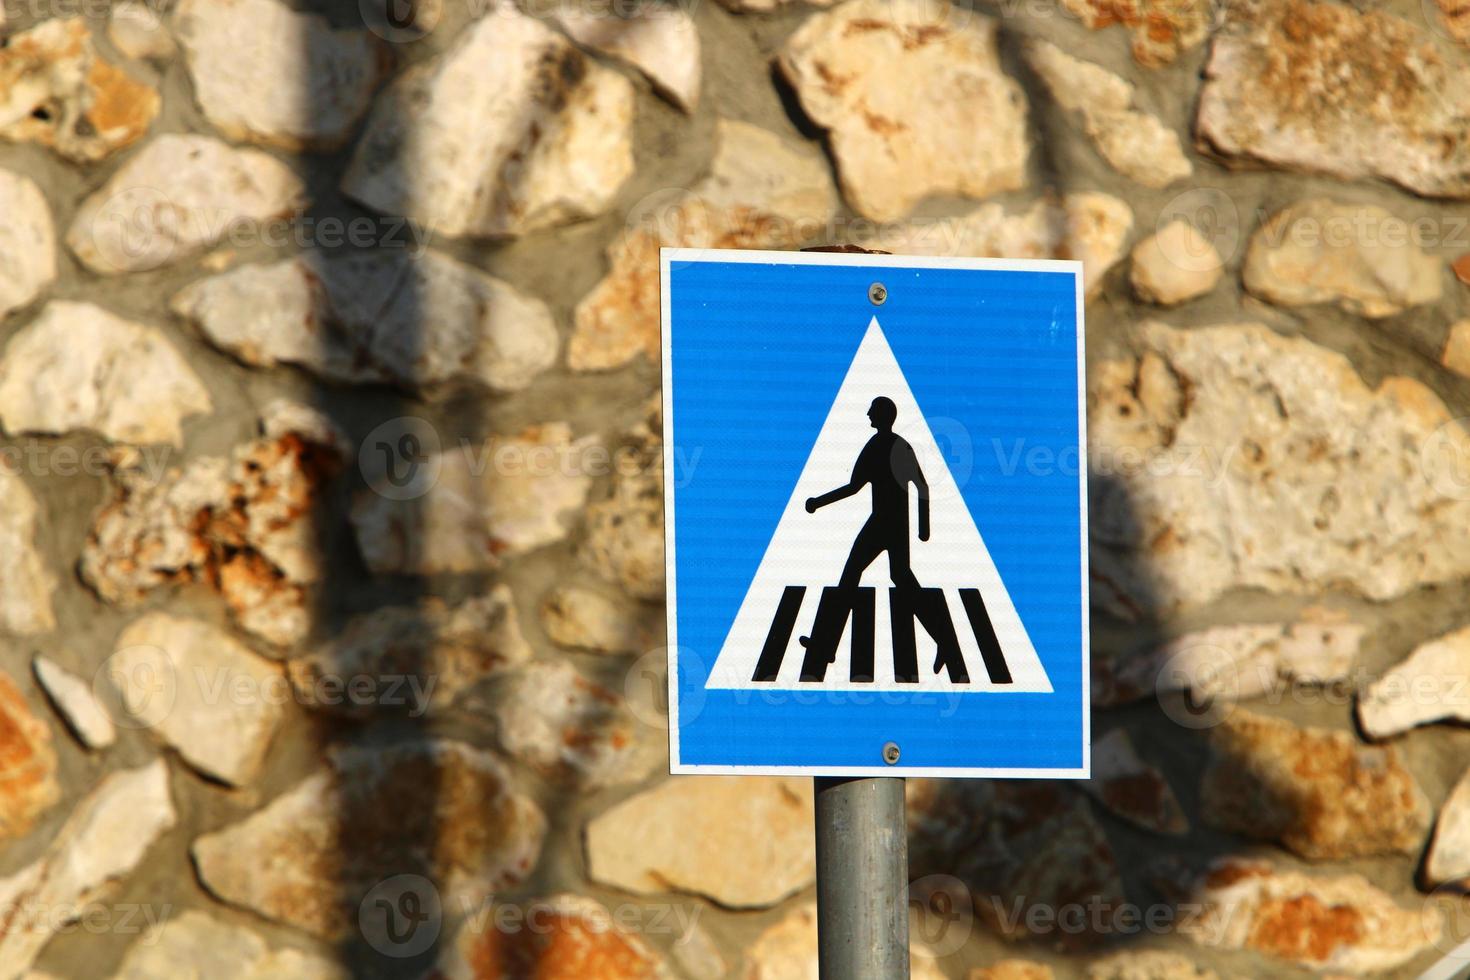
(898, 564)
(865, 547)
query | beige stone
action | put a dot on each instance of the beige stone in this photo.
(1012, 970)
(309, 856)
(762, 191)
(1355, 255)
(1429, 685)
(243, 526)
(1148, 965)
(176, 196)
(413, 659)
(569, 728)
(1136, 143)
(415, 320)
(58, 92)
(765, 6)
(1448, 859)
(1281, 470)
(475, 509)
(264, 73)
(1323, 87)
(78, 366)
(1234, 663)
(573, 937)
(1091, 228)
(26, 581)
(1022, 849)
(901, 84)
(1338, 923)
(135, 28)
(509, 131)
(787, 950)
(742, 841)
(1132, 788)
(105, 837)
(75, 702)
(1176, 265)
(196, 944)
(203, 693)
(28, 786)
(27, 242)
(661, 42)
(1318, 792)
(1161, 30)
(582, 619)
(1456, 354)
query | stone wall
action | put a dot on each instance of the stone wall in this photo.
(331, 507)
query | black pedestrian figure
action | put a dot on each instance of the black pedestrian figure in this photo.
(886, 465)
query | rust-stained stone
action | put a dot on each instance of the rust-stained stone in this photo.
(625, 532)
(1321, 87)
(440, 808)
(565, 936)
(915, 99)
(57, 91)
(1320, 793)
(28, 784)
(1131, 788)
(1337, 923)
(1461, 267)
(242, 526)
(569, 728)
(1161, 30)
(1025, 849)
(1456, 14)
(26, 581)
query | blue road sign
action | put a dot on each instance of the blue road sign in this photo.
(875, 514)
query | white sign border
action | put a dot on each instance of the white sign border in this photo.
(668, 256)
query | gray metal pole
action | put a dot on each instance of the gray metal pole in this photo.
(862, 879)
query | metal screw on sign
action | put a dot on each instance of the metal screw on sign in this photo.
(890, 753)
(877, 293)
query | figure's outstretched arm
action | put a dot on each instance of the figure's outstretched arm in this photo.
(832, 496)
(923, 491)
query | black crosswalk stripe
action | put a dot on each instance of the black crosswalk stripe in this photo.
(836, 606)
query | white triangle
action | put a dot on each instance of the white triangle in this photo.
(810, 550)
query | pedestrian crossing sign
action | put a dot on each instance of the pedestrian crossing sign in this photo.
(875, 517)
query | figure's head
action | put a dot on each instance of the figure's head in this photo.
(883, 413)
